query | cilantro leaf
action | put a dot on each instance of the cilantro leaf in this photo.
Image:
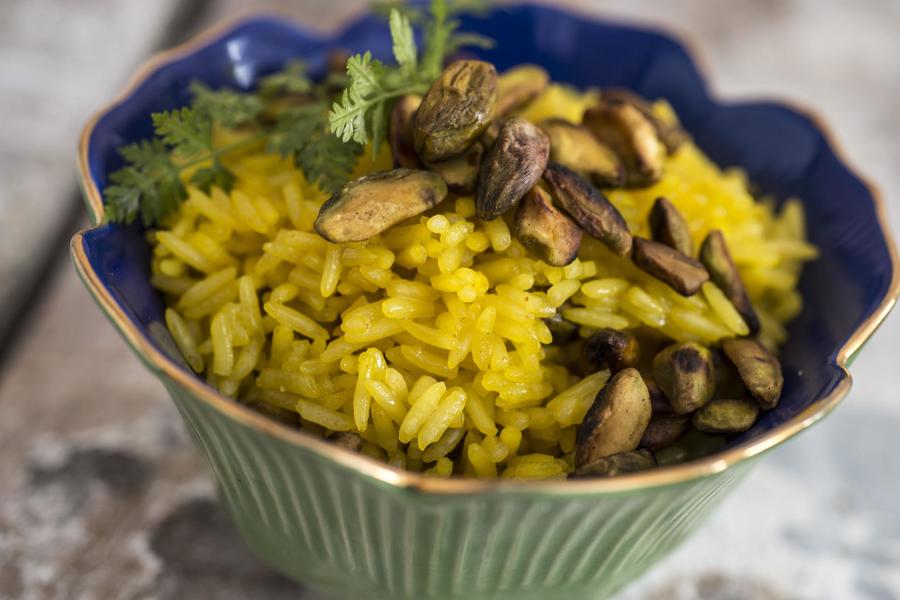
(148, 186)
(226, 107)
(404, 45)
(187, 130)
(325, 160)
(291, 80)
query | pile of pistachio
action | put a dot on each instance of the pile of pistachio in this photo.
(463, 137)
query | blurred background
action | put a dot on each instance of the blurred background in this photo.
(101, 493)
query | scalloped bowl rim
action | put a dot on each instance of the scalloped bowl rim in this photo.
(371, 468)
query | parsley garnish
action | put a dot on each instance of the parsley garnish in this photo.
(323, 144)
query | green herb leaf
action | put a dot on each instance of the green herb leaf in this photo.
(404, 43)
(303, 133)
(226, 107)
(215, 175)
(291, 80)
(148, 186)
(187, 130)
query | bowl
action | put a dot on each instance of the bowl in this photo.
(356, 528)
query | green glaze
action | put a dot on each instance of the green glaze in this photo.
(353, 536)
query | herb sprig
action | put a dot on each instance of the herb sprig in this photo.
(290, 114)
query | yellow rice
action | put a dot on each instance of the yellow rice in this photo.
(429, 340)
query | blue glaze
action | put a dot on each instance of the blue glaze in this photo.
(781, 149)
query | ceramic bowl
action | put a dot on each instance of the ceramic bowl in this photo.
(356, 528)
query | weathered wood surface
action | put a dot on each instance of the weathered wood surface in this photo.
(102, 495)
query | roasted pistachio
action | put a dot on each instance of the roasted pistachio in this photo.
(400, 131)
(455, 110)
(668, 226)
(759, 370)
(699, 444)
(616, 420)
(365, 207)
(489, 137)
(589, 208)
(348, 439)
(617, 464)
(682, 273)
(671, 455)
(561, 329)
(545, 230)
(665, 430)
(715, 256)
(671, 134)
(460, 173)
(658, 402)
(612, 349)
(684, 372)
(575, 147)
(726, 415)
(512, 167)
(632, 137)
(519, 86)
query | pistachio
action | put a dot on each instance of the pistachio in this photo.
(658, 402)
(671, 134)
(575, 147)
(715, 256)
(460, 173)
(348, 439)
(616, 420)
(512, 167)
(759, 370)
(671, 455)
(665, 430)
(545, 230)
(400, 131)
(617, 464)
(455, 110)
(726, 415)
(519, 86)
(682, 273)
(699, 444)
(489, 137)
(632, 137)
(589, 208)
(561, 329)
(685, 374)
(365, 207)
(612, 349)
(668, 226)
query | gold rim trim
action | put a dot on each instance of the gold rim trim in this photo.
(412, 481)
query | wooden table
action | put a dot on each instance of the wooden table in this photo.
(102, 495)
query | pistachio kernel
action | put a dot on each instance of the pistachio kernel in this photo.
(727, 415)
(665, 430)
(681, 273)
(400, 131)
(545, 230)
(632, 137)
(366, 206)
(612, 349)
(715, 256)
(512, 167)
(348, 439)
(685, 374)
(617, 464)
(575, 147)
(616, 420)
(671, 455)
(759, 369)
(561, 329)
(672, 135)
(455, 110)
(658, 402)
(668, 226)
(519, 86)
(460, 173)
(590, 209)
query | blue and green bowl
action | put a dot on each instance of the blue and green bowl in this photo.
(356, 528)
